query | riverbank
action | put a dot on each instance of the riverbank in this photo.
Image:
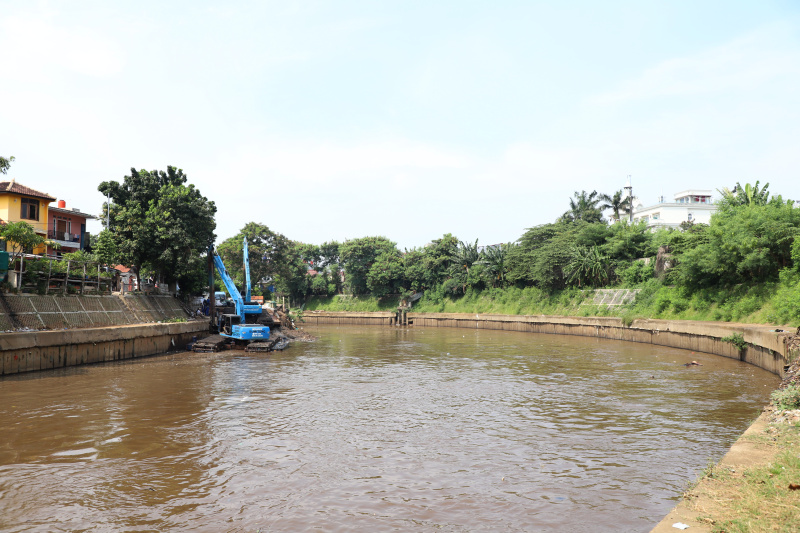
(756, 486)
(29, 351)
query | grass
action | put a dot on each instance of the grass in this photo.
(758, 498)
(344, 302)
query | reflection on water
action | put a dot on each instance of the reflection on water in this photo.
(372, 429)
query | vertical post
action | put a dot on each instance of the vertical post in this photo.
(629, 189)
(21, 268)
(66, 277)
(49, 275)
(212, 304)
(83, 278)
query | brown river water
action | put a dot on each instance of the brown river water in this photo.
(372, 429)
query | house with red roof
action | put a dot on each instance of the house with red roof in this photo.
(21, 203)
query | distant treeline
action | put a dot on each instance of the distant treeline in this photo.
(747, 258)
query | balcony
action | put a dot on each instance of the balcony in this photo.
(65, 239)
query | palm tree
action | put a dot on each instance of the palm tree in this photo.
(494, 258)
(616, 203)
(587, 266)
(464, 256)
(584, 207)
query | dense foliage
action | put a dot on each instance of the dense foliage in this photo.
(159, 223)
(744, 265)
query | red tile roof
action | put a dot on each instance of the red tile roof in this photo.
(14, 187)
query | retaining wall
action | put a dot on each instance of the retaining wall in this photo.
(35, 312)
(40, 350)
(378, 318)
(766, 348)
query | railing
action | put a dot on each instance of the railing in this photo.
(63, 236)
(47, 276)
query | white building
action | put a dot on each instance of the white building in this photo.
(694, 205)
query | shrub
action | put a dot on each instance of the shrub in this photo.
(737, 339)
(787, 398)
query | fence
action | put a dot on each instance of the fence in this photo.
(56, 276)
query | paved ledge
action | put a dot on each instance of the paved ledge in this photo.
(766, 348)
(28, 351)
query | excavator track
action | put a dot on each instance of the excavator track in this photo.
(213, 343)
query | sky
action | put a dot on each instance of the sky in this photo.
(333, 120)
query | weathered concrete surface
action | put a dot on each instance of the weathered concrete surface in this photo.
(40, 350)
(377, 318)
(766, 348)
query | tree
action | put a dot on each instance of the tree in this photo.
(617, 204)
(747, 195)
(20, 238)
(105, 248)
(268, 252)
(494, 260)
(5, 164)
(584, 207)
(385, 276)
(159, 222)
(587, 266)
(462, 259)
(748, 243)
(358, 256)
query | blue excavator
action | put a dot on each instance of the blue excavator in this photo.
(239, 321)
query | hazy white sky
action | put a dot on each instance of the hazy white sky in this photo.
(336, 120)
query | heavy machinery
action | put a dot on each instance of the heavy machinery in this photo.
(239, 321)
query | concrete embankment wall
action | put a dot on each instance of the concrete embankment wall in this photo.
(40, 350)
(378, 318)
(34, 312)
(765, 347)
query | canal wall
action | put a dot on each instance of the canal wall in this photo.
(27, 351)
(43, 332)
(24, 312)
(764, 347)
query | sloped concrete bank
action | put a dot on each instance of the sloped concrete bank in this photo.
(765, 347)
(28, 351)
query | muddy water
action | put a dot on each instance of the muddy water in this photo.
(371, 429)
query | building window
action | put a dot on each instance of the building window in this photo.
(689, 218)
(30, 209)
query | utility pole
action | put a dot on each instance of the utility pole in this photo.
(629, 190)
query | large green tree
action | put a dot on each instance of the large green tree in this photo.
(385, 276)
(358, 256)
(160, 222)
(268, 252)
(745, 243)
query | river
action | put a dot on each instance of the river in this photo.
(372, 429)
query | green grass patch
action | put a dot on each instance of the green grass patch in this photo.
(344, 302)
(763, 303)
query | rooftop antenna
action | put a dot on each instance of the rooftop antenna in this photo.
(629, 190)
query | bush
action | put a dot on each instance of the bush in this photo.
(788, 398)
(737, 339)
(786, 302)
